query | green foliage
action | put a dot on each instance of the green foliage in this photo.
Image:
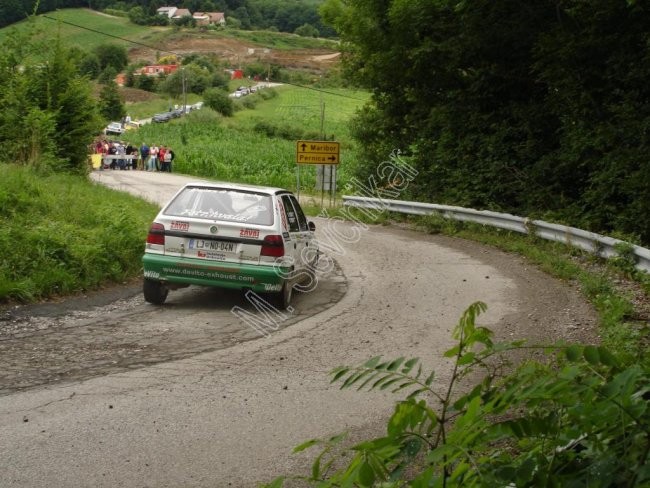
(59, 235)
(138, 16)
(219, 101)
(230, 149)
(196, 78)
(581, 418)
(288, 132)
(111, 106)
(89, 65)
(513, 106)
(49, 116)
(111, 55)
(307, 30)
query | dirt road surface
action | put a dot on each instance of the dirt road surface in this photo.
(106, 390)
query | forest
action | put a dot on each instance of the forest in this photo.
(280, 15)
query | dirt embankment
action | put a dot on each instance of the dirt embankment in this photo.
(238, 53)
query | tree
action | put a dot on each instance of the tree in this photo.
(110, 104)
(144, 82)
(111, 55)
(219, 101)
(89, 65)
(107, 76)
(49, 117)
(307, 30)
(524, 107)
(138, 16)
(195, 78)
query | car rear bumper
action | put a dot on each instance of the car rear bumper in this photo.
(189, 271)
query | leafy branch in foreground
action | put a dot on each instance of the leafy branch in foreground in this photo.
(580, 418)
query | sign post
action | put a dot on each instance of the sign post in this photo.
(324, 154)
(317, 152)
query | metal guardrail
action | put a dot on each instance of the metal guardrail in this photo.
(602, 246)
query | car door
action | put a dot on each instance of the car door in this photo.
(294, 244)
(300, 233)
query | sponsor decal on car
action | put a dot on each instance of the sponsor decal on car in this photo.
(251, 233)
(283, 216)
(272, 287)
(151, 274)
(179, 225)
(208, 273)
(286, 236)
(218, 256)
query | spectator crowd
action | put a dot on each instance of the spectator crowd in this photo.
(144, 158)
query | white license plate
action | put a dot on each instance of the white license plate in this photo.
(209, 245)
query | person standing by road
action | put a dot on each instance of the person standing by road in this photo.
(153, 153)
(169, 157)
(161, 158)
(144, 156)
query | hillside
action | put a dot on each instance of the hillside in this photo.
(87, 29)
(240, 51)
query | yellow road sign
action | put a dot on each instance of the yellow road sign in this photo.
(317, 152)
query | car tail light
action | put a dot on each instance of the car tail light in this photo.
(156, 234)
(273, 245)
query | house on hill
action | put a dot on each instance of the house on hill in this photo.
(180, 13)
(167, 11)
(202, 18)
(156, 69)
(210, 18)
(217, 18)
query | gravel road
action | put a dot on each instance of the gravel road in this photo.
(106, 390)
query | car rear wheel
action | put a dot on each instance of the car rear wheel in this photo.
(283, 299)
(154, 291)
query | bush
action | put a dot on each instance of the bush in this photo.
(219, 101)
(580, 419)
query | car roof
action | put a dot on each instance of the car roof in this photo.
(236, 186)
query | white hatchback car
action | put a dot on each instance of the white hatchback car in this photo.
(230, 236)
(114, 128)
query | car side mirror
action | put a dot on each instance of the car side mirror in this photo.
(312, 226)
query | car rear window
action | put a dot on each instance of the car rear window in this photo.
(222, 204)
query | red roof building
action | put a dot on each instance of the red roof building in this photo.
(157, 69)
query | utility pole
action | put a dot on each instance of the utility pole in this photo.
(184, 91)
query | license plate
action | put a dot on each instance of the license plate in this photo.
(206, 245)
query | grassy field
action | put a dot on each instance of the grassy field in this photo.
(62, 234)
(280, 40)
(64, 23)
(258, 145)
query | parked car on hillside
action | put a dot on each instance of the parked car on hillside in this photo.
(230, 236)
(162, 117)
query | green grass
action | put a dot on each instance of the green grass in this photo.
(62, 234)
(235, 149)
(143, 110)
(280, 40)
(82, 37)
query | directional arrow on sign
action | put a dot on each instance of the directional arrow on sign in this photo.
(317, 152)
